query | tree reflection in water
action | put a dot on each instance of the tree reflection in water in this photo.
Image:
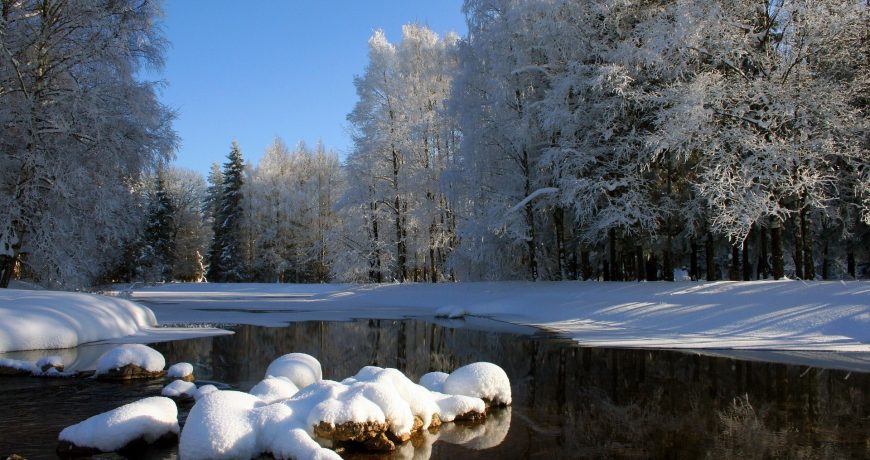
(574, 402)
(568, 401)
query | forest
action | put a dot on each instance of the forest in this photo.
(558, 140)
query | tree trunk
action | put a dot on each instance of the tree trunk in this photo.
(747, 266)
(825, 261)
(7, 266)
(850, 264)
(806, 239)
(734, 266)
(776, 255)
(667, 260)
(709, 254)
(694, 269)
(614, 275)
(585, 265)
(561, 259)
(763, 270)
(652, 268)
(798, 254)
(640, 269)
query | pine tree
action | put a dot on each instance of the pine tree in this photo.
(158, 251)
(225, 256)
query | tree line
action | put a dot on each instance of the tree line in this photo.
(559, 139)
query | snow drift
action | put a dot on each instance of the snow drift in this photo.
(41, 320)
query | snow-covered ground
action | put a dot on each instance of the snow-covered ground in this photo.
(766, 315)
(39, 320)
(757, 315)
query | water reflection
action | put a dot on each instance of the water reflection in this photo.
(569, 402)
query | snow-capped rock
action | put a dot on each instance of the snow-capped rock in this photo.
(130, 361)
(480, 380)
(300, 368)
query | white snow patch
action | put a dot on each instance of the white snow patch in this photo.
(452, 406)
(179, 370)
(433, 381)
(179, 388)
(760, 315)
(219, 426)
(480, 380)
(230, 424)
(40, 320)
(273, 389)
(149, 418)
(299, 368)
(204, 390)
(140, 355)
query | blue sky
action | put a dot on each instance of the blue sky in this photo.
(253, 70)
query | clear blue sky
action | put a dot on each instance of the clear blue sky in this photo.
(256, 69)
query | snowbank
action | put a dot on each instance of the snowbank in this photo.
(37, 320)
(760, 315)
(149, 419)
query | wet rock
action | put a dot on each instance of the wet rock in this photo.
(130, 372)
(369, 436)
(14, 457)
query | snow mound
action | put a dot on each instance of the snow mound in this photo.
(434, 381)
(299, 368)
(231, 424)
(203, 391)
(219, 426)
(480, 380)
(140, 355)
(41, 320)
(452, 406)
(278, 418)
(179, 370)
(179, 389)
(273, 389)
(149, 419)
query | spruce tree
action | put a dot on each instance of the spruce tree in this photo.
(225, 257)
(158, 251)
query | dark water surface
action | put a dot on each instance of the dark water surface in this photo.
(569, 402)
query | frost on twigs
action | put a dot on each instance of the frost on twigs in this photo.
(128, 362)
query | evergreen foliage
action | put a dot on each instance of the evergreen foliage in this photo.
(226, 257)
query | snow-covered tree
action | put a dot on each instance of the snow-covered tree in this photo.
(403, 142)
(226, 253)
(157, 254)
(79, 129)
(290, 198)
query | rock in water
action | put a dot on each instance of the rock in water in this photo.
(148, 421)
(128, 362)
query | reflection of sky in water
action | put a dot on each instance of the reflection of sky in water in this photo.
(568, 401)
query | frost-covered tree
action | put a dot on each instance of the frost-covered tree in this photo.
(290, 198)
(187, 190)
(79, 129)
(226, 253)
(403, 142)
